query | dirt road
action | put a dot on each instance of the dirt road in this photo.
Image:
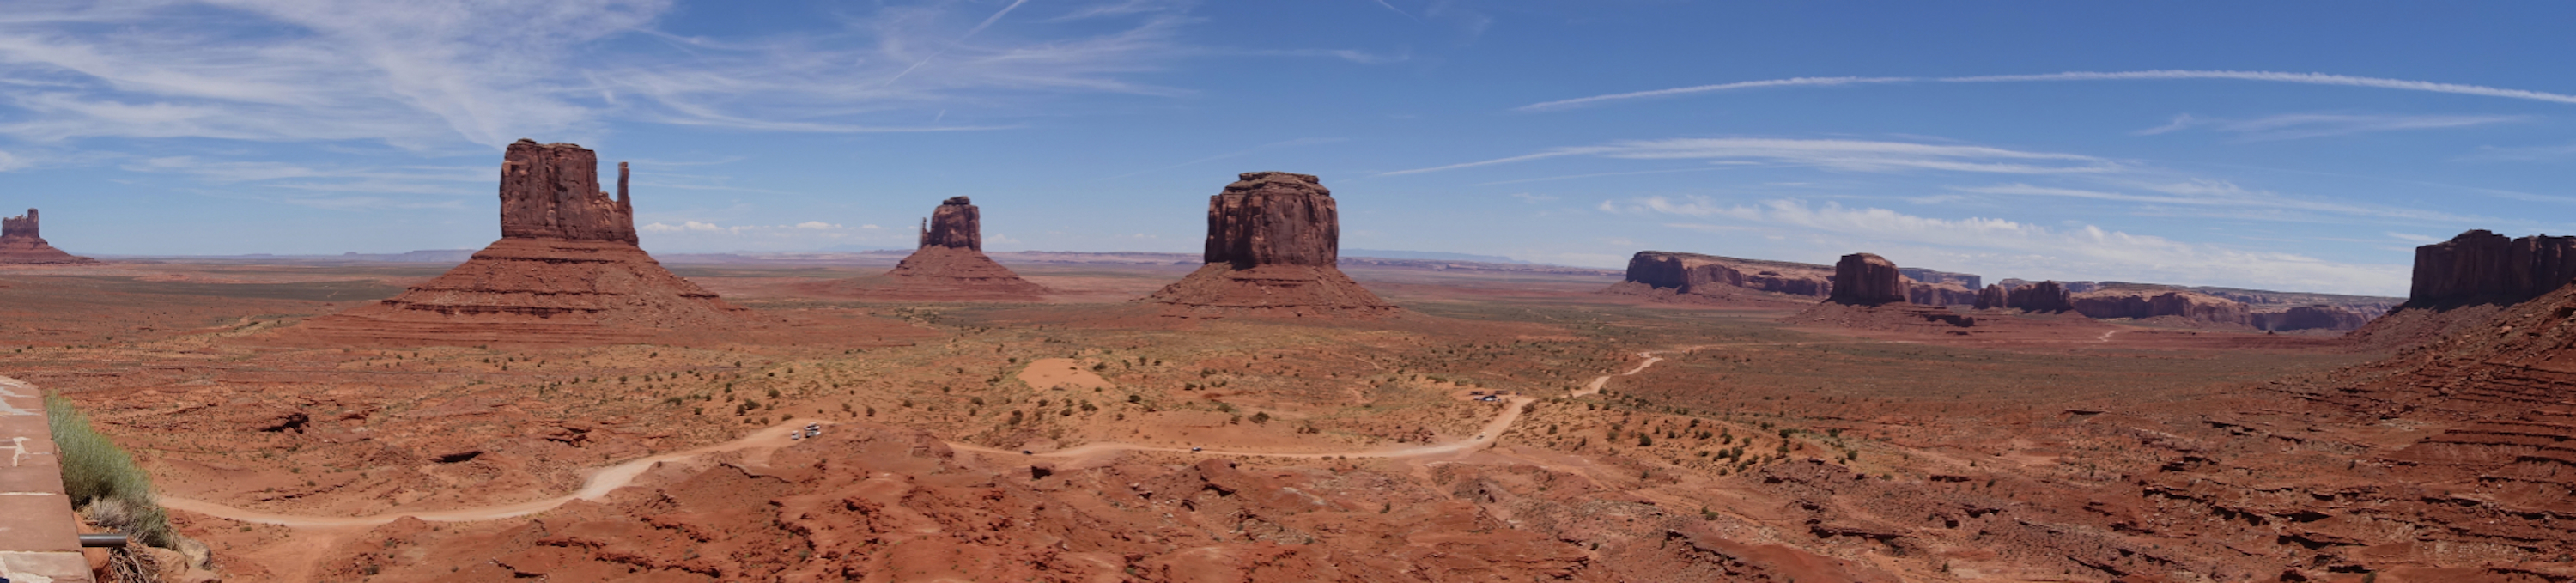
(604, 480)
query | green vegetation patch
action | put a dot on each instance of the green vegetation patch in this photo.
(95, 470)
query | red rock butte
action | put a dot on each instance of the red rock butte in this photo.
(1272, 243)
(566, 270)
(949, 264)
(21, 244)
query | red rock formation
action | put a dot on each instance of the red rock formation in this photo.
(2318, 317)
(2483, 267)
(950, 264)
(566, 270)
(21, 243)
(1273, 238)
(1939, 294)
(2138, 302)
(2046, 296)
(956, 224)
(1867, 280)
(1993, 297)
(1692, 273)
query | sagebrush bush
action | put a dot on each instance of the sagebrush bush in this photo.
(96, 470)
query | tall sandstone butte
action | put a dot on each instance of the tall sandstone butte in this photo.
(1865, 279)
(566, 270)
(949, 264)
(1272, 241)
(22, 243)
(2480, 266)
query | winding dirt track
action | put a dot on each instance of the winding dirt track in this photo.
(604, 480)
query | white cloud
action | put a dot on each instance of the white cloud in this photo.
(2413, 238)
(2006, 248)
(2219, 193)
(10, 162)
(426, 74)
(1850, 155)
(2315, 125)
(2266, 76)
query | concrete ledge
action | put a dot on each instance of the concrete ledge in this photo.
(39, 535)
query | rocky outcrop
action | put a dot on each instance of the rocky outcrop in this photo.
(551, 191)
(950, 264)
(2318, 317)
(956, 224)
(2076, 287)
(22, 243)
(1272, 242)
(2483, 267)
(566, 270)
(2046, 296)
(1865, 279)
(2151, 303)
(1993, 297)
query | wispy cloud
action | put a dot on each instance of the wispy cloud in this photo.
(2265, 76)
(2219, 193)
(430, 74)
(1235, 154)
(2522, 153)
(2318, 125)
(1849, 155)
(2413, 238)
(2001, 246)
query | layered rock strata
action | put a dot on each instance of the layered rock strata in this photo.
(21, 242)
(949, 264)
(566, 270)
(1272, 242)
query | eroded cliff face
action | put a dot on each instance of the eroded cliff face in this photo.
(956, 224)
(2480, 266)
(566, 270)
(1866, 279)
(2046, 296)
(2149, 303)
(551, 191)
(22, 243)
(1939, 294)
(1692, 273)
(1272, 243)
(1274, 218)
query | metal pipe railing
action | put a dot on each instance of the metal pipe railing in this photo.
(106, 539)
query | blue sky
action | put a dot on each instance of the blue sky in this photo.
(2296, 146)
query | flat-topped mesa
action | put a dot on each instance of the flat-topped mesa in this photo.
(956, 224)
(1274, 218)
(2480, 266)
(1864, 279)
(566, 270)
(551, 191)
(21, 243)
(1272, 242)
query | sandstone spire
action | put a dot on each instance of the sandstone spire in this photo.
(21, 242)
(566, 270)
(949, 264)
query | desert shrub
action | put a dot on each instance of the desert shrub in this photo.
(96, 470)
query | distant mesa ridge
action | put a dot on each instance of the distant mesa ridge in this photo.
(22, 242)
(566, 270)
(1686, 275)
(1273, 242)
